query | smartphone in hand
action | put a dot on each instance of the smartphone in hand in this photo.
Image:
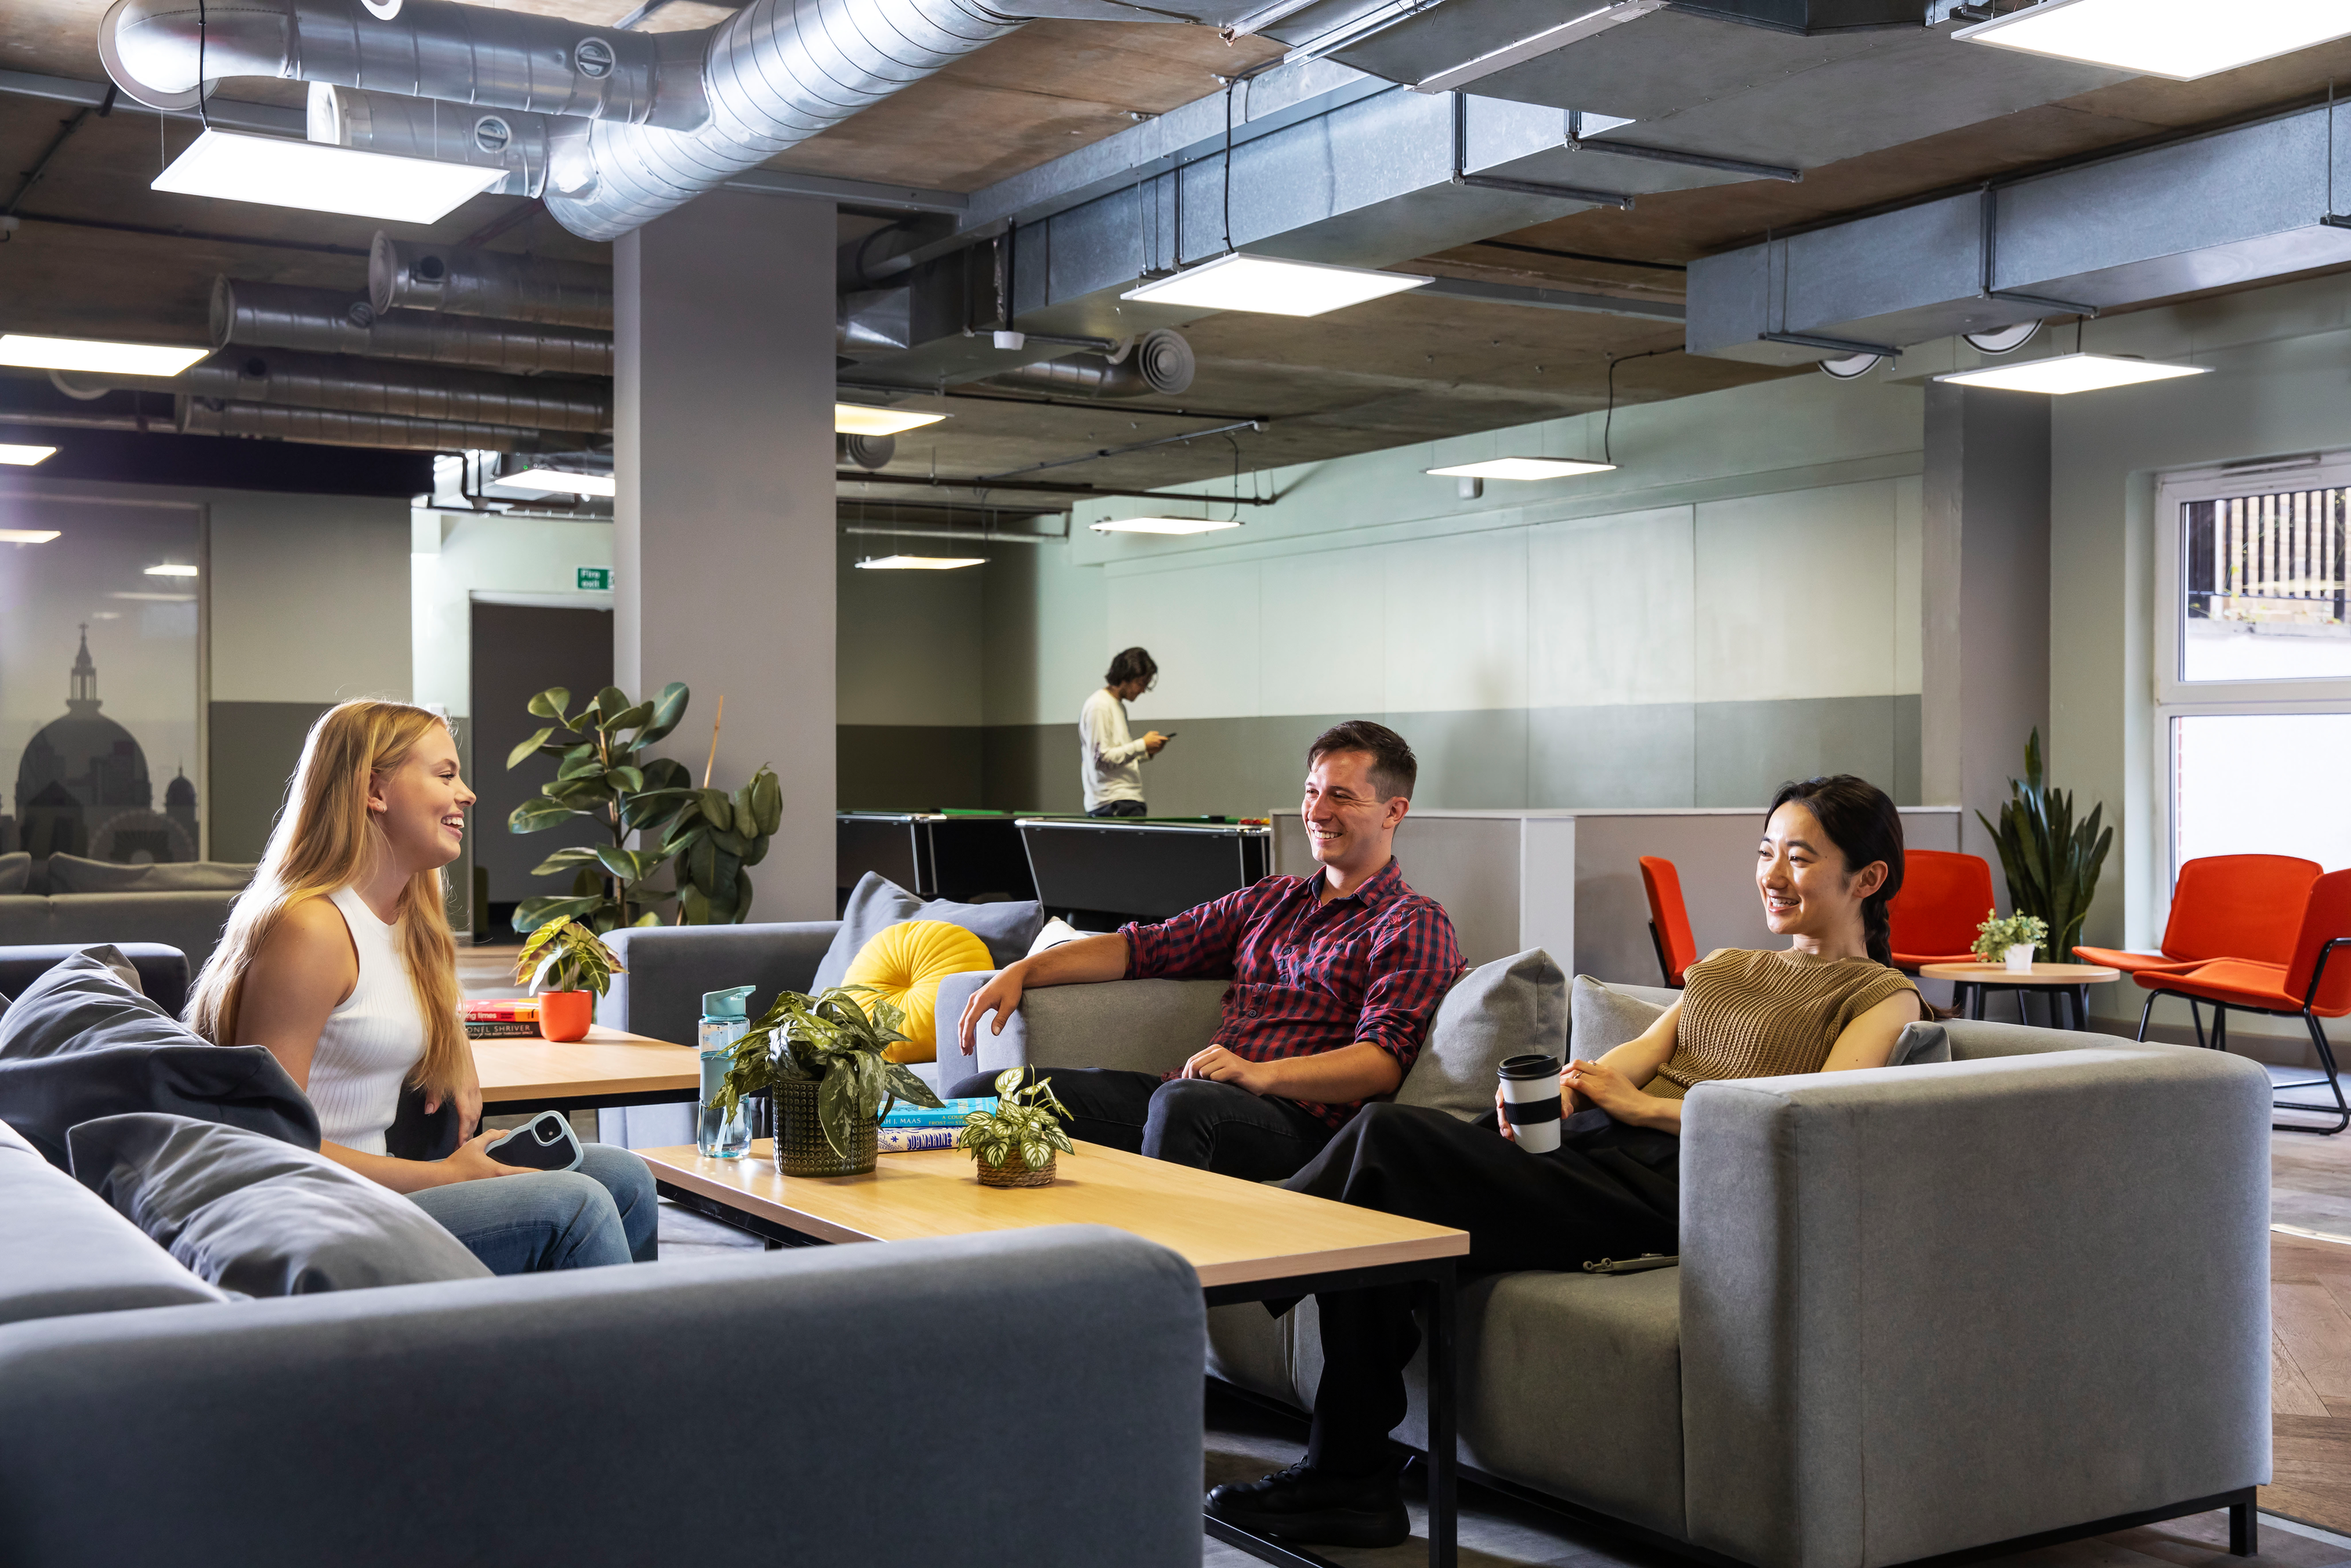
(545, 1142)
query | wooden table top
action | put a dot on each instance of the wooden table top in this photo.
(1231, 1232)
(608, 1061)
(2040, 974)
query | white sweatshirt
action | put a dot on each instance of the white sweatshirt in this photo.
(1112, 762)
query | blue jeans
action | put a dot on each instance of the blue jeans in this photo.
(604, 1212)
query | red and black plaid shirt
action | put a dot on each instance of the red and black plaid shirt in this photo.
(1309, 977)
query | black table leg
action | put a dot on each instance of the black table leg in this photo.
(1976, 1001)
(2082, 1008)
(1442, 1519)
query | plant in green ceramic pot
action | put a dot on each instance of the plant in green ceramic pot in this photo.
(821, 1059)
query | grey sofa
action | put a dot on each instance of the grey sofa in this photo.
(192, 922)
(771, 1408)
(1918, 1310)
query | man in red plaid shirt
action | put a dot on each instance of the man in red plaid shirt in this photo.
(1334, 979)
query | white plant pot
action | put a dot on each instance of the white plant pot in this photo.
(2020, 958)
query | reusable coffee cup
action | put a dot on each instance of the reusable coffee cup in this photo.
(1530, 1099)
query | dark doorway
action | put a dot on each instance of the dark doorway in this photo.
(519, 651)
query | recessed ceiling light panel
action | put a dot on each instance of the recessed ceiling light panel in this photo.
(277, 172)
(920, 562)
(26, 536)
(170, 569)
(2067, 373)
(1271, 286)
(1163, 524)
(549, 480)
(860, 419)
(2182, 40)
(1520, 469)
(89, 354)
(25, 458)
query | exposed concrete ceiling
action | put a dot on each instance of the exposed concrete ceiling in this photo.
(1411, 368)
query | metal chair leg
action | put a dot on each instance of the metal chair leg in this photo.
(2219, 1027)
(2143, 1014)
(2341, 1108)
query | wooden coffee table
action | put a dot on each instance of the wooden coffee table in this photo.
(610, 1067)
(1247, 1241)
(2071, 981)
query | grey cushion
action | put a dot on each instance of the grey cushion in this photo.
(1919, 1043)
(1605, 1016)
(15, 871)
(1511, 1007)
(877, 903)
(250, 1213)
(81, 1042)
(63, 1252)
(1135, 1026)
(71, 874)
(159, 973)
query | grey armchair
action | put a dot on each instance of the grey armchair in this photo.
(1919, 1310)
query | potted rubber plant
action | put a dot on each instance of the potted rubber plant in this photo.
(1019, 1143)
(821, 1060)
(569, 968)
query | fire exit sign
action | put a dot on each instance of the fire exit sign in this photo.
(595, 579)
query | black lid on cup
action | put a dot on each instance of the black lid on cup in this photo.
(1531, 1067)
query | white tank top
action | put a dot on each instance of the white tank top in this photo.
(372, 1040)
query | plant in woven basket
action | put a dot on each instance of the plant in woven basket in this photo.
(1023, 1133)
(1999, 932)
(2052, 863)
(836, 1042)
(565, 955)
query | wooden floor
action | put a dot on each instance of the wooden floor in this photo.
(2310, 1360)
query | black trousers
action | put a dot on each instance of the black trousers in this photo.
(1220, 1127)
(1119, 809)
(1607, 1191)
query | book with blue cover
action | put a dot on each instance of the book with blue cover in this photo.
(907, 1140)
(951, 1116)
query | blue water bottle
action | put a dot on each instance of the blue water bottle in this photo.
(717, 1133)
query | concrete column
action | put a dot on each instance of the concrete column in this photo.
(1985, 651)
(724, 523)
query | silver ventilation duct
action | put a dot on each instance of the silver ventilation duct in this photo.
(511, 139)
(865, 451)
(404, 392)
(418, 275)
(341, 321)
(338, 427)
(1160, 360)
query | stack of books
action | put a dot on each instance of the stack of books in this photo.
(502, 1018)
(910, 1127)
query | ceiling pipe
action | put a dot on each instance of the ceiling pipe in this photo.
(345, 321)
(291, 379)
(1159, 362)
(338, 427)
(512, 140)
(418, 275)
(865, 451)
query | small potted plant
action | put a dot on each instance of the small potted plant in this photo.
(2011, 940)
(821, 1058)
(1016, 1143)
(568, 966)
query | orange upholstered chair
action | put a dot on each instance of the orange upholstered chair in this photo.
(2314, 983)
(1669, 926)
(1944, 899)
(2223, 906)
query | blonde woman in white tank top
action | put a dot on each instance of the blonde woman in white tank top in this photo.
(320, 964)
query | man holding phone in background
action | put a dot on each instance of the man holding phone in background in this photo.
(1110, 765)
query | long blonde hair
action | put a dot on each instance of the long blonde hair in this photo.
(324, 841)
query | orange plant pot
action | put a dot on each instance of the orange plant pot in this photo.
(564, 1016)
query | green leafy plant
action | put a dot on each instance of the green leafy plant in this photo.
(565, 955)
(1024, 1128)
(830, 1038)
(603, 772)
(1999, 932)
(2052, 863)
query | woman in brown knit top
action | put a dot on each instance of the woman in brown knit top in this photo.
(1829, 1001)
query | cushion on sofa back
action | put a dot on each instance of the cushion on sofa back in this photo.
(254, 1214)
(877, 903)
(81, 1042)
(1511, 1007)
(63, 1252)
(71, 874)
(15, 871)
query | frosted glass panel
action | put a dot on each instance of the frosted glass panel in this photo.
(2261, 784)
(2264, 587)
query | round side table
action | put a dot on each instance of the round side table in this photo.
(2071, 981)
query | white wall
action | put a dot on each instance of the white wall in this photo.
(310, 598)
(455, 555)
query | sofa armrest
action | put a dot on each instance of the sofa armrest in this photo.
(632, 1414)
(1928, 1308)
(670, 967)
(1142, 1026)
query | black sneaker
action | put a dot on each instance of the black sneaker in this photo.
(1311, 1505)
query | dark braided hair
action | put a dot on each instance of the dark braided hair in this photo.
(1861, 821)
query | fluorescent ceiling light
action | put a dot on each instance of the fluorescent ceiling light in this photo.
(278, 172)
(170, 570)
(920, 562)
(24, 456)
(1165, 525)
(2182, 40)
(158, 598)
(26, 536)
(859, 419)
(2072, 373)
(553, 479)
(1520, 469)
(86, 354)
(1274, 288)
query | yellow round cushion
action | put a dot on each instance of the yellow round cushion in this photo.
(904, 963)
